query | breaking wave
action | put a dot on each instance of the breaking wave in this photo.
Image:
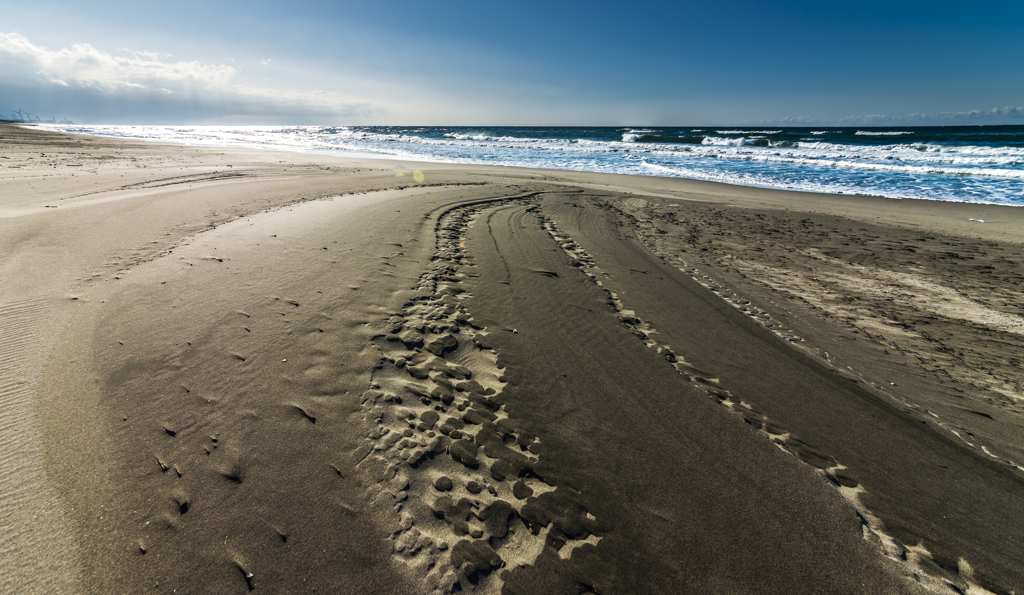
(963, 164)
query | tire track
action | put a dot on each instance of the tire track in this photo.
(919, 563)
(460, 474)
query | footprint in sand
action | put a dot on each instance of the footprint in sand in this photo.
(460, 475)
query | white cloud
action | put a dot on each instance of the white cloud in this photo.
(144, 74)
(51, 79)
(998, 115)
(137, 53)
(86, 64)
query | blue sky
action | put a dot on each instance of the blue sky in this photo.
(529, 62)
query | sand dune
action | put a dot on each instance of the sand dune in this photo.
(233, 371)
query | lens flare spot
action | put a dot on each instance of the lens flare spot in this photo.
(418, 176)
(399, 175)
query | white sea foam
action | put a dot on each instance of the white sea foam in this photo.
(881, 133)
(725, 142)
(742, 178)
(737, 148)
(632, 134)
(967, 173)
(471, 136)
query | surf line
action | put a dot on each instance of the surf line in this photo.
(461, 475)
(916, 561)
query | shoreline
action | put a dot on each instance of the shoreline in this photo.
(1000, 222)
(783, 183)
(217, 338)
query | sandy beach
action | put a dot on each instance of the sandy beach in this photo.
(229, 370)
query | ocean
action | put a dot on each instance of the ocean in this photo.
(976, 164)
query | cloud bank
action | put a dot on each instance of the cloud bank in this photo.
(93, 84)
(994, 116)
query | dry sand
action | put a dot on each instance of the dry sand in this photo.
(229, 371)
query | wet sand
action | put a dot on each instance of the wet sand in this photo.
(232, 371)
